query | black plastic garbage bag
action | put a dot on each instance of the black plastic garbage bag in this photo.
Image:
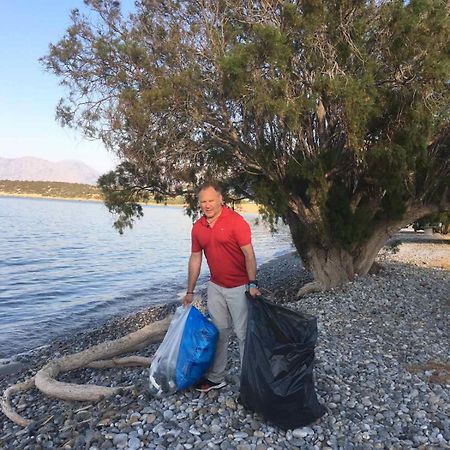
(277, 370)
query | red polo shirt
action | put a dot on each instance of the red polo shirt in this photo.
(222, 247)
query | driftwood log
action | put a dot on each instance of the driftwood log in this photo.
(99, 356)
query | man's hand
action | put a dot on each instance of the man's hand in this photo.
(254, 292)
(187, 300)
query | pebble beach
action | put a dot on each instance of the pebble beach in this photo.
(382, 371)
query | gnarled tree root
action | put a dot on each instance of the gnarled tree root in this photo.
(6, 406)
(98, 356)
(309, 288)
(129, 361)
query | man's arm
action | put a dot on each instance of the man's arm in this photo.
(250, 265)
(195, 263)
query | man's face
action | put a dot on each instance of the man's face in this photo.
(210, 202)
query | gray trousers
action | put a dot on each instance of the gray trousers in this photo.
(226, 306)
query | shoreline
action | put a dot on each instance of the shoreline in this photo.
(278, 269)
(246, 208)
(13, 364)
(47, 197)
(379, 337)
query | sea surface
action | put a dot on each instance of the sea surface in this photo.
(64, 267)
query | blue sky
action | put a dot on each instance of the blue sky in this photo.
(28, 95)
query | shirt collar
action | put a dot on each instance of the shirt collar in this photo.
(226, 211)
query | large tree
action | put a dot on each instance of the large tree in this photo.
(333, 115)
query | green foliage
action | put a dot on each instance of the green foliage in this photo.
(332, 113)
(267, 50)
(122, 196)
(388, 166)
(346, 227)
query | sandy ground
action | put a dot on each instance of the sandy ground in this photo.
(438, 255)
(423, 250)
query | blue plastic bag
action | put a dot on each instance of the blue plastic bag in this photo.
(197, 349)
(185, 354)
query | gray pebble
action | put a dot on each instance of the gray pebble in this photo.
(120, 439)
(134, 443)
(168, 415)
(372, 333)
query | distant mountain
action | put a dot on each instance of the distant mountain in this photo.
(29, 168)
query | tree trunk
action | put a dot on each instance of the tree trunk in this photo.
(333, 266)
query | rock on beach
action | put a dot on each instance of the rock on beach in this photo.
(382, 370)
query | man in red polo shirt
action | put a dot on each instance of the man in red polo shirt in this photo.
(225, 239)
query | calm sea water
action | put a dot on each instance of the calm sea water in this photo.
(63, 266)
